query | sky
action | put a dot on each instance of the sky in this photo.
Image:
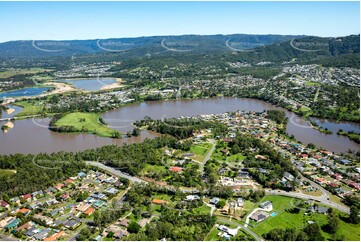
(93, 20)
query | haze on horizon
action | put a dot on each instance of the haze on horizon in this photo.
(94, 20)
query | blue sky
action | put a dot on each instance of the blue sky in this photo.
(92, 20)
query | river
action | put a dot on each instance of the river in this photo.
(92, 84)
(25, 92)
(33, 136)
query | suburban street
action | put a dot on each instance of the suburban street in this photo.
(208, 156)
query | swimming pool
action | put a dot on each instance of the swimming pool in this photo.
(273, 214)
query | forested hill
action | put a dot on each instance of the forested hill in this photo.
(173, 50)
(336, 52)
(329, 52)
(139, 46)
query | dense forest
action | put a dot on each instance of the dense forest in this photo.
(36, 172)
(182, 128)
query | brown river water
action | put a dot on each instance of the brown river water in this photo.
(33, 136)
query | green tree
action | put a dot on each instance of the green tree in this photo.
(354, 215)
(314, 232)
(133, 227)
(221, 203)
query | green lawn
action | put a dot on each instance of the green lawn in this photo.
(152, 168)
(212, 236)
(204, 209)
(18, 71)
(237, 157)
(29, 108)
(88, 121)
(309, 83)
(284, 220)
(200, 151)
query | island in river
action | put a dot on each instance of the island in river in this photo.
(79, 122)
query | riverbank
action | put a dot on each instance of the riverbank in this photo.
(59, 88)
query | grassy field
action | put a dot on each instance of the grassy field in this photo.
(90, 121)
(284, 220)
(204, 209)
(29, 108)
(212, 235)
(16, 71)
(6, 172)
(152, 168)
(218, 155)
(200, 151)
(309, 83)
(237, 157)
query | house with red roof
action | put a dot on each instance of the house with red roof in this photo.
(303, 155)
(59, 186)
(27, 197)
(336, 176)
(158, 201)
(24, 211)
(175, 169)
(89, 211)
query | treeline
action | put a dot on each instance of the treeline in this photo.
(17, 82)
(131, 158)
(182, 128)
(351, 134)
(279, 116)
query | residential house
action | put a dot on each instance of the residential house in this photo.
(214, 201)
(266, 205)
(175, 169)
(192, 197)
(13, 224)
(124, 222)
(240, 202)
(4, 204)
(55, 236)
(318, 209)
(259, 216)
(81, 174)
(345, 162)
(158, 201)
(89, 211)
(27, 197)
(24, 211)
(72, 224)
(42, 234)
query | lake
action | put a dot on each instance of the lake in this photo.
(33, 136)
(28, 92)
(94, 84)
